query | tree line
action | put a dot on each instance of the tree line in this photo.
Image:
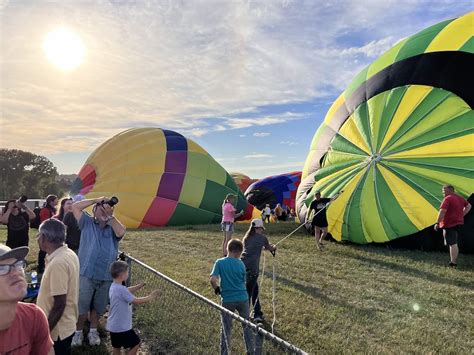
(26, 173)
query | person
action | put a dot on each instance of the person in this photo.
(59, 292)
(119, 321)
(73, 233)
(48, 211)
(278, 212)
(228, 217)
(319, 221)
(23, 326)
(266, 213)
(254, 241)
(450, 216)
(100, 236)
(230, 271)
(16, 215)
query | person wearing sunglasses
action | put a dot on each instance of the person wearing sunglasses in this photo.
(24, 327)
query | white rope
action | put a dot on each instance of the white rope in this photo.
(274, 296)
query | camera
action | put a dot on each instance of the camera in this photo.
(22, 199)
(112, 202)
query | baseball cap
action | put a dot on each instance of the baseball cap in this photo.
(19, 253)
(257, 223)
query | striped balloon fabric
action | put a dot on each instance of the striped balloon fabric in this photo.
(402, 129)
(160, 177)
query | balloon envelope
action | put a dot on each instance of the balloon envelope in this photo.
(401, 130)
(160, 177)
(274, 189)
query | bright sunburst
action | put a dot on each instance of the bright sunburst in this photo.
(64, 48)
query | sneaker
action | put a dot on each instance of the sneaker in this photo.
(77, 339)
(453, 265)
(94, 338)
(258, 319)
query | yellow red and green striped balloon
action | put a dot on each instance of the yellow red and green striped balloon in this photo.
(160, 177)
(402, 129)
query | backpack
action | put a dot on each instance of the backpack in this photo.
(35, 223)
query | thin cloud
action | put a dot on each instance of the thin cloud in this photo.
(261, 134)
(258, 156)
(290, 143)
(184, 65)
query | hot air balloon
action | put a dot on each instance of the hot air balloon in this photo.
(273, 190)
(242, 181)
(161, 179)
(402, 129)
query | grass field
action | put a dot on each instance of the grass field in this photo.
(344, 299)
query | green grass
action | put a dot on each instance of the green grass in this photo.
(345, 299)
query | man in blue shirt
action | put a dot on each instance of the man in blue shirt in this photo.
(100, 236)
(231, 272)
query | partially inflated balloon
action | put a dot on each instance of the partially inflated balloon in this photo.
(274, 189)
(242, 181)
(160, 177)
(402, 129)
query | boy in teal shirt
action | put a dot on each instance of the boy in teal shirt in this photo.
(231, 273)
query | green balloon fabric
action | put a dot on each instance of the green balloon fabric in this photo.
(402, 129)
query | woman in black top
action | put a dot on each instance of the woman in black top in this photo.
(73, 233)
(17, 216)
(319, 221)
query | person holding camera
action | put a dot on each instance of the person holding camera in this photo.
(100, 235)
(17, 216)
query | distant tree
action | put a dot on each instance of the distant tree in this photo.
(25, 173)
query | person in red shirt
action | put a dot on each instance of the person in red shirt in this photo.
(24, 327)
(451, 215)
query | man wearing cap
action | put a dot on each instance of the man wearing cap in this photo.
(23, 326)
(254, 241)
(59, 291)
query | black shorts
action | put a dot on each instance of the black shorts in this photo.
(127, 340)
(450, 235)
(320, 222)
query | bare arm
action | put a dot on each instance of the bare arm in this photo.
(214, 282)
(152, 296)
(4, 217)
(57, 311)
(29, 211)
(467, 209)
(135, 288)
(441, 214)
(78, 207)
(118, 227)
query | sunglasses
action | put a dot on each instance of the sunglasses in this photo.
(6, 269)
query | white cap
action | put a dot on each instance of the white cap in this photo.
(257, 223)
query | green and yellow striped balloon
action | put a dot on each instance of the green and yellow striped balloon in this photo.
(402, 129)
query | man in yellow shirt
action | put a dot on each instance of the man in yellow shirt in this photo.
(59, 292)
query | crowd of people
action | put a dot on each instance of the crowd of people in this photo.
(81, 277)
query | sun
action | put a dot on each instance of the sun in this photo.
(64, 48)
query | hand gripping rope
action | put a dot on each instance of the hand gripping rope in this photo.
(274, 262)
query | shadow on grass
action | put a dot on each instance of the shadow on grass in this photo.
(316, 293)
(410, 271)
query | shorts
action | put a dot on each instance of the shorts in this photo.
(320, 223)
(227, 226)
(127, 340)
(450, 235)
(95, 292)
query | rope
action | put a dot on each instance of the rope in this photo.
(274, 296)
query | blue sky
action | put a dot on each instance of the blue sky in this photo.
(250, 81)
